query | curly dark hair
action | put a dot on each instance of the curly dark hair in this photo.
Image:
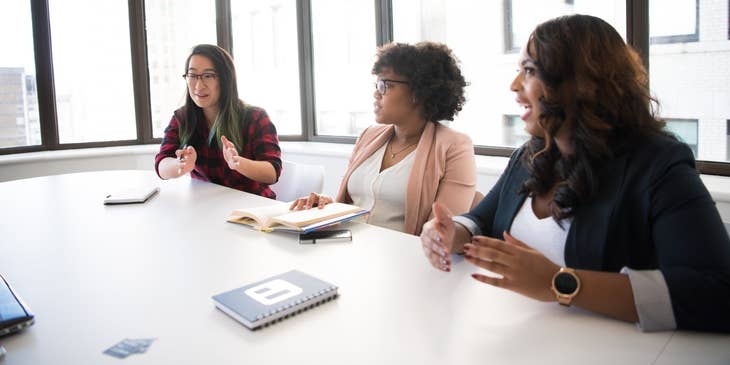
(433, 75)
(596, 86)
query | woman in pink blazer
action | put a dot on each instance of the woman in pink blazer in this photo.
(409, 160)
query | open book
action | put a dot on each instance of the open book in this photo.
(279, 217)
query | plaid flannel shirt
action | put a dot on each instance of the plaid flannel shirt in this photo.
(262, 144)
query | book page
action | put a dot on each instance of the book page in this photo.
(301, 218)
(260, 216)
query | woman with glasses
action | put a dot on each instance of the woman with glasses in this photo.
(215, 136)
(408, 161)
(602, 208)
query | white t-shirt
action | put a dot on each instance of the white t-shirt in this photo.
(382, 192)
(544, 235)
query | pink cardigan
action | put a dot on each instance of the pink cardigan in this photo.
(444, 171)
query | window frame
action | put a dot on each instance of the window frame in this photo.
(637, 34)
(681, 38)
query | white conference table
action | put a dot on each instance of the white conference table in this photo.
(94, 275)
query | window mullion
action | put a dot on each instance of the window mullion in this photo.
(44, 74)
(140, 72)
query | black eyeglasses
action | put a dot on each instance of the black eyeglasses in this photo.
(382, 85)
(206, 78)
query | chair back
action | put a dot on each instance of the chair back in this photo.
(298, 180)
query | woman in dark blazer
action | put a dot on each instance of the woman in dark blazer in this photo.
(602, 208)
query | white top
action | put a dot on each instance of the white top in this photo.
(382, 192)
(544, 235)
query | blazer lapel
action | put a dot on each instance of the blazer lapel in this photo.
(510, 201)
(586, 242)
(414, 193)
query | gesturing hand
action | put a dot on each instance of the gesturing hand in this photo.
(230, 154)
(437, 238)
(186, 157)
(310, 201)
(524, 270)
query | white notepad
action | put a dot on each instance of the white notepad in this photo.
(131, 195)
(274, 298)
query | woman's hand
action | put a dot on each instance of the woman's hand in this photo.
(230, 154)
(310, 201)
(524, 270)
(437, 238)
(186, 157)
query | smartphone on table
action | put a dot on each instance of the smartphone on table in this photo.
(330, 235)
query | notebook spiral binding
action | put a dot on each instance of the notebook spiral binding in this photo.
(288, 307)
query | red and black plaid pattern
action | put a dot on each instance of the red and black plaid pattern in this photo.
(262, 144)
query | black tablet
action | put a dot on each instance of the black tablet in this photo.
(14, 314)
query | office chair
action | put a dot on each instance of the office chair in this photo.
(298, 180)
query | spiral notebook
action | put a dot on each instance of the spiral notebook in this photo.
(278, 297)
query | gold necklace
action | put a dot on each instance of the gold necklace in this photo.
(393, 154)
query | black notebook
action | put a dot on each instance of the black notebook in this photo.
(274, 298)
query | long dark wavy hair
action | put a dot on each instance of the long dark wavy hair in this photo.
(230, 121)
(433, 74)
(597, 87)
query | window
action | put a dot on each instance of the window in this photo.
(484, 61)
(103, 77)
(521, 16)
(674, 22)
(170, 37)
(267, 61)
(343, 42)
(690, 79)
(92, 71)
(685, 130)
(514, 131)
(19, 121)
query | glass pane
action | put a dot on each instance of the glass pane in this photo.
(170, 37)
(489, 62)
(92, 70)
(344, 51)
(19, 121)
(673, 21)
(691, 79)
(266, 53)
(685, 130)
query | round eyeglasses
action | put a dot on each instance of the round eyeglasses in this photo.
(206, 78)
(381, 86)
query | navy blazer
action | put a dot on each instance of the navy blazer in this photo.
(651, 211)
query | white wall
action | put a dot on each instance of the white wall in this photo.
(333, 157)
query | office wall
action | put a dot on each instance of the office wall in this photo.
(332, 156)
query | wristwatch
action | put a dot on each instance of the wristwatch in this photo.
(566, 285)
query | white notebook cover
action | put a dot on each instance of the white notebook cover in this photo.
(274, 298)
